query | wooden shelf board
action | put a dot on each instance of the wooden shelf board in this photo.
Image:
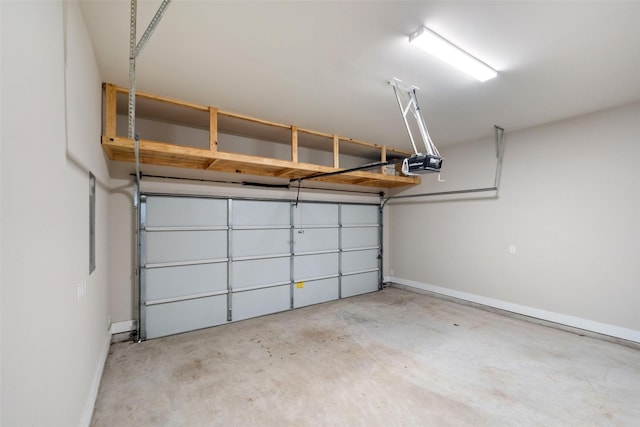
(164, 154)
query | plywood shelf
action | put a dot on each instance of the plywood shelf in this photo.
(208, 156)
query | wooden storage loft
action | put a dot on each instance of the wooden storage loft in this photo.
(207, 156)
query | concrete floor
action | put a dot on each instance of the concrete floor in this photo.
(392, 358)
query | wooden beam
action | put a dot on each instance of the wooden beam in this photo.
(213, 129)
(164, 154)
(167, 150)
(211, 165)
(163, 99)
(398, 151)
(110, 110)
(294, 144)
(284, 172)
(107, 149)
(365, 181)
(365, 144)
(336, 151)
(252, 119)
(315, 132)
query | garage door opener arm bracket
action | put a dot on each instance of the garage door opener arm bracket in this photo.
(419, 163)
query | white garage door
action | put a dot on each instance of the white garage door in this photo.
(360, 249)
(207, 261)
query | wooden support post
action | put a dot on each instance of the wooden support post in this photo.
(294, 144)
(213, 129)
(336, 152)
(110, 110)
(383, 158)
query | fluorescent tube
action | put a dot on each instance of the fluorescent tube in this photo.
(451, 54)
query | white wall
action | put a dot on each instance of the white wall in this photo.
(53, 341)
(569, 203)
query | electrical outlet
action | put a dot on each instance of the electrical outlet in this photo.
(512, 249)
(391, 272)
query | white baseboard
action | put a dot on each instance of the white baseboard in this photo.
(90, 403)
(120, 327)
(549, 316)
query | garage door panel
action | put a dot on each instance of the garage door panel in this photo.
(315, 239)
(187, 315)
(315, 214)
(249, 213)
(260, 302)
(171, 282)
(357, 284)
(260, 242)
(185, 212)
(315, 292)
(260, 272)
(359, 260)
(180, 246)
(311, 266)
(359, 237)
(359, 214)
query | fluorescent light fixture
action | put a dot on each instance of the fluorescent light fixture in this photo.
(452, 54)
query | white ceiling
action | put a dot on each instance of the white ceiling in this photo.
(323, 65)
